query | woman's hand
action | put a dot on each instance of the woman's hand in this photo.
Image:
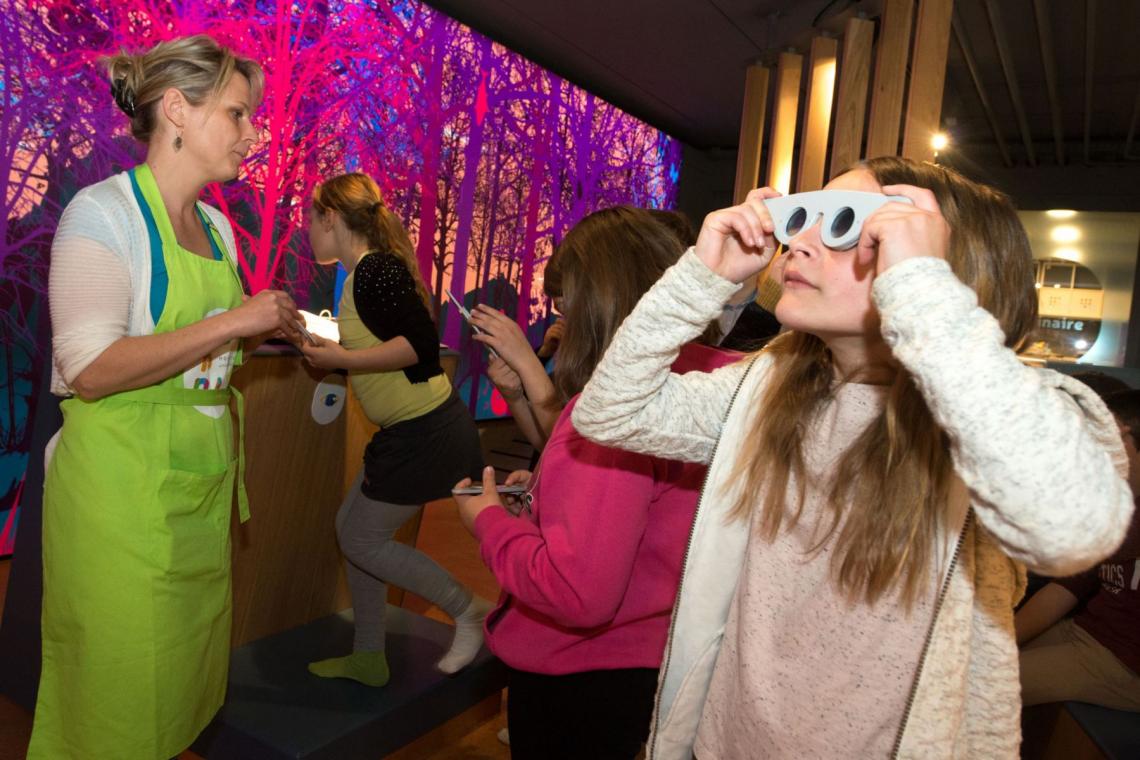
(267, 312)
(898, 231)
(503, 335)
(505, 379)
(470, 507)
(738, 242)
(325, 354)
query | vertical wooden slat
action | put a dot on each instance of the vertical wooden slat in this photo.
(851, 97)
(927, 78)
(788, 73)
(890, 79)
(817, 116)
(751, 131)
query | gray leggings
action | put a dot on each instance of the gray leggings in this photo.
(364, 529)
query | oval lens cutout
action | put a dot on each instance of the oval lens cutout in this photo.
(796, 222)
(842, 221)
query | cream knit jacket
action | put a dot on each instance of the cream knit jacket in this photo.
(1038, 452)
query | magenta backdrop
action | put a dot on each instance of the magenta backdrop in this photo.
(487, 157)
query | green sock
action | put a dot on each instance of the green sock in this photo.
(370, 668)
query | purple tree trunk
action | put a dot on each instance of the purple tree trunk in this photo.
(466, 205)
(534, 197)
(429, 175)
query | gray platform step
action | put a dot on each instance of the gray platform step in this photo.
(276, 709)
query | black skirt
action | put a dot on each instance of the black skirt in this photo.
(421, 459)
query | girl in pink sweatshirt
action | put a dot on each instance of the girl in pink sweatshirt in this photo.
(589, 566)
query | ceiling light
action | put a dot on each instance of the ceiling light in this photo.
(1060, 213)
(1065, 233)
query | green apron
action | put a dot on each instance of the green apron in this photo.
(136, 536)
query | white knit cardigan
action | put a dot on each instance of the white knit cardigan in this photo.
(1039, 453)
(102, 238)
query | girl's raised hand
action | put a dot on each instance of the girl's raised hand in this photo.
(737, 242)
(503, 335)
(508, 382)
(899, 231)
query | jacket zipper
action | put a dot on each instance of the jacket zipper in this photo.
(685, 562)
(930, 634)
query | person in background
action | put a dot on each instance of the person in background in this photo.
(426, 440)
(1093, 656)
(149, 321)
(1104, 385)
(589, 567)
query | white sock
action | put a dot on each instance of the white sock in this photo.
(468, 636)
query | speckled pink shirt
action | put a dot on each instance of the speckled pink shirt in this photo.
(802, 672)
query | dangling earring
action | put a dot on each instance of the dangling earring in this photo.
(178, 141)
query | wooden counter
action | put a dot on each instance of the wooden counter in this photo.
(287, 567)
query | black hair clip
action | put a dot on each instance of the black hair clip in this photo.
(124, 96)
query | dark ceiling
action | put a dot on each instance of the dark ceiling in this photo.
(679, 64)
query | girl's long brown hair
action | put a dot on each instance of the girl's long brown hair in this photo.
(602, 268)
(356, 197)
(887, 496)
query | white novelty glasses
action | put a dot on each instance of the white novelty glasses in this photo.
(842, 212)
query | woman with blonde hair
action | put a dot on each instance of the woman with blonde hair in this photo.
(879, 475)
(427, 439)
(149, 321)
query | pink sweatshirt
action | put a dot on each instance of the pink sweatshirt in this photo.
(589, 575)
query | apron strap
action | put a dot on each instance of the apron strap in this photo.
(159, 278)
(161, 394)
(212, 233)
(242, 496)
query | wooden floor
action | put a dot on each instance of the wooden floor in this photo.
(443, 537)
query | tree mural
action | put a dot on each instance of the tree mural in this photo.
(487, 157)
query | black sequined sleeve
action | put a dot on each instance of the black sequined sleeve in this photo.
(388, 304)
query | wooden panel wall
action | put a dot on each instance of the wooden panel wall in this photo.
(817, 116)
(851, 99)
(789, 71)
(842, 100)
(751, 131)
(927, 78)
(890, 79)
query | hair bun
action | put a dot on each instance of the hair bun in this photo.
(124, 96)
